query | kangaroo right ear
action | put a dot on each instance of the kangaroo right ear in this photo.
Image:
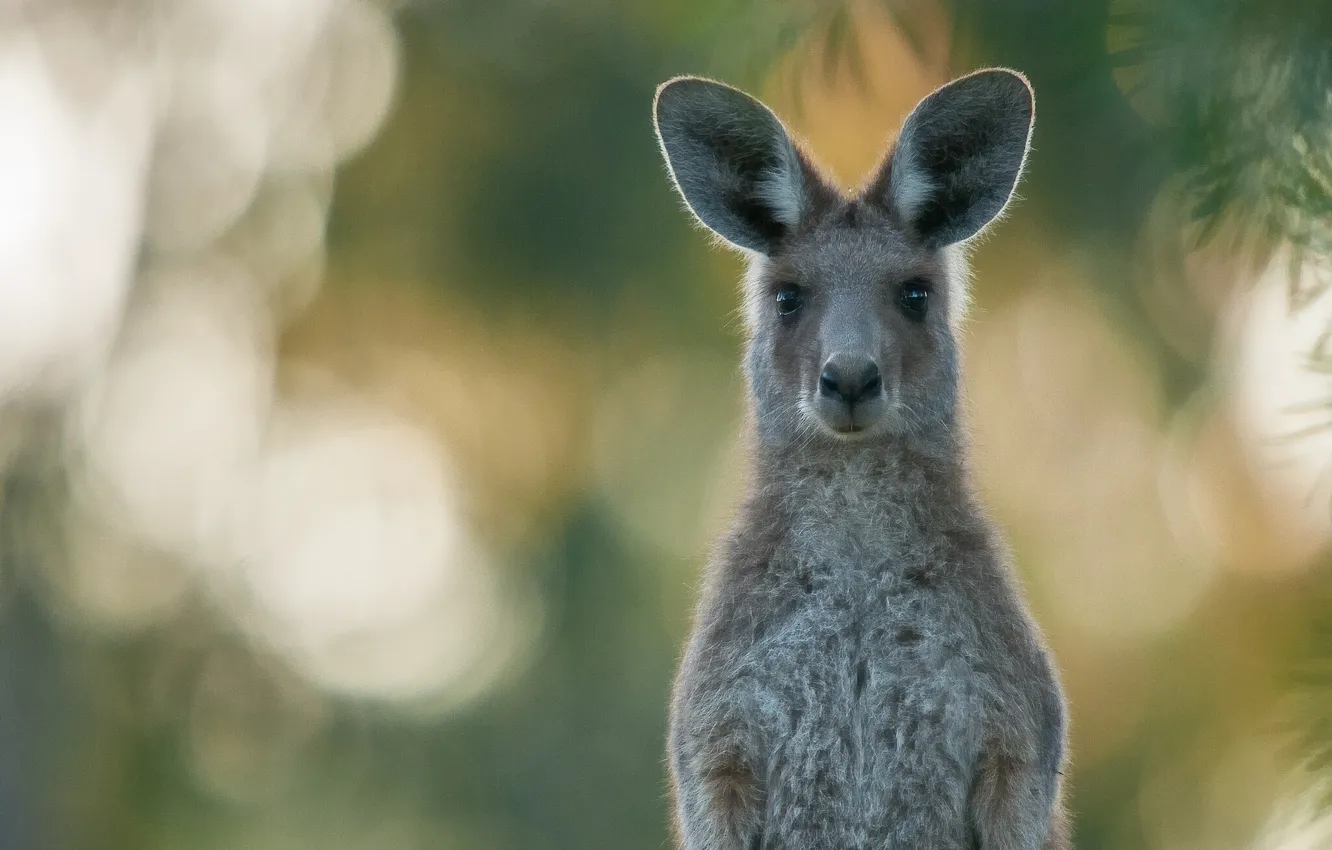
(734, 163)
(959, 156)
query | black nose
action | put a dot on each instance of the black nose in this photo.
(850, 379)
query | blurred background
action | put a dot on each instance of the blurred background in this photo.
(367, 404)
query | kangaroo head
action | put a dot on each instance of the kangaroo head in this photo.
(852, 302)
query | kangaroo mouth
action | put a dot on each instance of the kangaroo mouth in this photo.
(850, 421)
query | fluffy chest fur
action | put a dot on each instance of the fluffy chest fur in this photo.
(842, 623)
(868, 686)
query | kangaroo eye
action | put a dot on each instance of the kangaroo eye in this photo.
(914, 299)
(788, 300)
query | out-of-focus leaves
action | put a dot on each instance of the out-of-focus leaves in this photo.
(545, 179)
(1242, 88)
(750, 37)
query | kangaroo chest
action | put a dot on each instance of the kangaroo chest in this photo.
(869, 690)
(873, 649)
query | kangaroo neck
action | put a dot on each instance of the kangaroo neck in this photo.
(888, 482)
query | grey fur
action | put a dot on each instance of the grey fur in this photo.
(863, 672)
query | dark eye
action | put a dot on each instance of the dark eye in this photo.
(914, 299)
(788, 300)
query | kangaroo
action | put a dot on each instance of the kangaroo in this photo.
(863, 672)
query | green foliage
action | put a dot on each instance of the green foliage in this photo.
(1241, 90)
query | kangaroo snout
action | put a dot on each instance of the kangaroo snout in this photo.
(850, 378)
(850, 393)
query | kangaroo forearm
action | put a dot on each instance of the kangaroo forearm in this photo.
(1017, 807)
(719, 808)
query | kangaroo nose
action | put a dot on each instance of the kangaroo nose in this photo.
(850, 379)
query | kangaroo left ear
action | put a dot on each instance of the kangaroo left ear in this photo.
(959, 157)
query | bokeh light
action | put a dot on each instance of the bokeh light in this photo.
(1082, 488)
(356, 562)
(1281, 390)
(70, 218)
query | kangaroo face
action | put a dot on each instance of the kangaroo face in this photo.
(851, 302)
(849, 329)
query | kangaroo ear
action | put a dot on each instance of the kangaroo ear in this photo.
(733, 162)
(958, 157)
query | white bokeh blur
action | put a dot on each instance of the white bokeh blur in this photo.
(166, 192)
(1299, 820)
(70, 216)
(1282, 366)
